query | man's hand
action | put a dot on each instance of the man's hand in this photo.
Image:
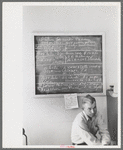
(113, 142)
(106, 142)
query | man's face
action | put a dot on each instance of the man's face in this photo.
(90, 109)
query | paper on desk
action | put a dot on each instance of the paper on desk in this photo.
(71, 101)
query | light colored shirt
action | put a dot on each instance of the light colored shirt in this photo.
(92, 132)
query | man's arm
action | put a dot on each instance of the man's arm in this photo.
(103, 131)
(88, 137)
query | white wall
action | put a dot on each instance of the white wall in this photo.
(75, 19)
(45, 119)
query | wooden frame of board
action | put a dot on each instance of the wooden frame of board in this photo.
(70, 34)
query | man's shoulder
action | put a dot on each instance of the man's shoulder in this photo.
(80, 115)
(80, 118)
(81, 121)
(98, 114)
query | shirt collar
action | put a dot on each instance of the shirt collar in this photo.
(87, 118)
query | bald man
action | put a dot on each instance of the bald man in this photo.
(88, 127)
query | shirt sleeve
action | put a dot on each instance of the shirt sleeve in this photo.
(103, 131)
(88, 138)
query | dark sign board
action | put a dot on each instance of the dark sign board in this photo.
(68, 64)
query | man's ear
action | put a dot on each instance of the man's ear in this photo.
(82, 107)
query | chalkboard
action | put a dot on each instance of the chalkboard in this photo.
(68, 64)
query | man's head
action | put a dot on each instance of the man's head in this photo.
(89, 105)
